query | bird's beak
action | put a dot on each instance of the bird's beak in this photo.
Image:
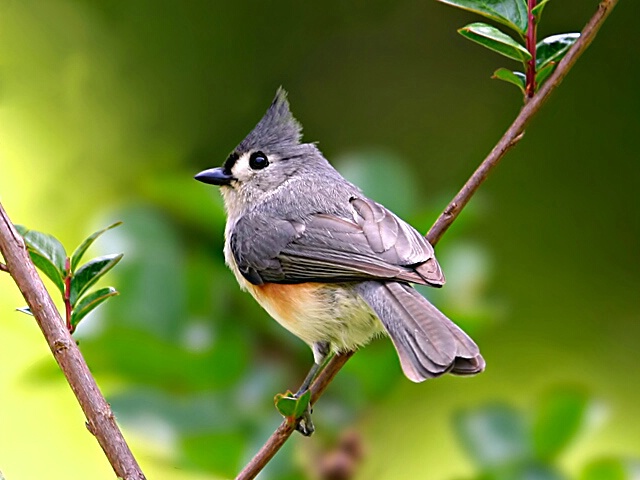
(214, 176)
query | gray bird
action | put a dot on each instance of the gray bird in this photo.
(329, 264)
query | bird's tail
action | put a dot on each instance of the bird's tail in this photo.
(427, 342)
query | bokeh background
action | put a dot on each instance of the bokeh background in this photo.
(108, 109)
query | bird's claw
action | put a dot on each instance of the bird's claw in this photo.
(304, 424)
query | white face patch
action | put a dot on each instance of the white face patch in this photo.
(241, 169)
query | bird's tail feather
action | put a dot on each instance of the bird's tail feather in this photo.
(427, 342)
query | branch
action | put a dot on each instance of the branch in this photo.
(515, 132)
(100, 419)
(510, 138)
(284, 431)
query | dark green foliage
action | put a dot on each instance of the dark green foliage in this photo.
(514, 14)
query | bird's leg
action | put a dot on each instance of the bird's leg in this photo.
(321, 355)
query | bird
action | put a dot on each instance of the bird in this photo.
(331, 265)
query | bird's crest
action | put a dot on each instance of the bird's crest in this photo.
(276, 129)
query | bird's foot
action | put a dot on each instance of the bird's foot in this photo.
(296, 408)
(304, 424)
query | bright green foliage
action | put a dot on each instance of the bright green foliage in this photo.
(513, 14)
(48, 254)
(290, 406)
(611, 469)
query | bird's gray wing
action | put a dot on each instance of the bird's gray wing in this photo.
(373, 244)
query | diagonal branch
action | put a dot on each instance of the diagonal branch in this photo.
(100, 419)
(510, 138)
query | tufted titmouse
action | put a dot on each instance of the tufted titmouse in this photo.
(330, 265)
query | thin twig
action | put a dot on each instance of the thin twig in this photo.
(510, 138)
(100, 419)
(284, 431)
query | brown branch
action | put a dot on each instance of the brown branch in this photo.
(515, 132)
(510, 138)
(3, 267)
(100, 419)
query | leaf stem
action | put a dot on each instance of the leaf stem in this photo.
(531, 43)
(510, 138)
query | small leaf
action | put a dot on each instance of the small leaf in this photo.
(286, 404)
(558, 420)
(495, 40)
(511, 13)
(494, 435)
(553, 48)
(46, 246)
(516, 78)
(82, 248)
(48, 269)
(302, 404)
(537, 10)
(290, 406)
(90, 302)
(26, 310)
(544, 72)
(90, 273)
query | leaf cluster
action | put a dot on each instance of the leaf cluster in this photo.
(71, 279)
(514, 14)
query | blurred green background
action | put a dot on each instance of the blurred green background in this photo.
(108, 109)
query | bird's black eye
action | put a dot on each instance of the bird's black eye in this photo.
(258, 161)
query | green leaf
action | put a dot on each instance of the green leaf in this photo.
(512, 13)
(90, 273)
(553, 48)
(558, 420)
(285, 403)
(495, 40)
(544, 72)
(82, 248)
(537, 10)
(45, 245)
(291, 406)
(90, 302)
(494, 435)
(303, 403)
(48, 269)
(516, 78)
(26, 310)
